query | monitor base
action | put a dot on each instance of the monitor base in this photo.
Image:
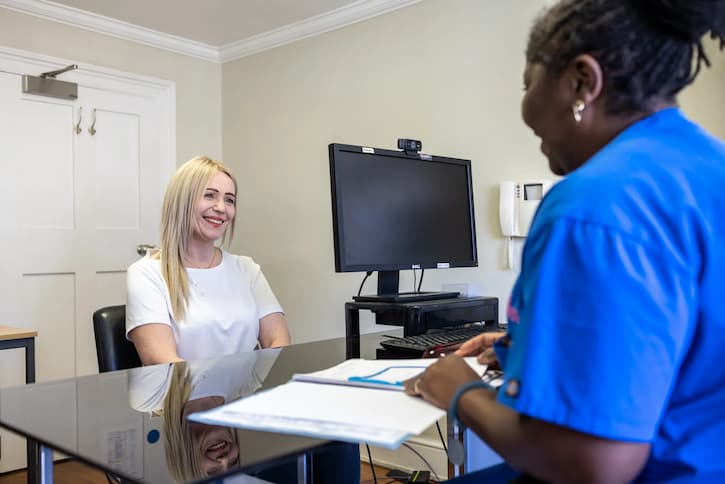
(403, 297)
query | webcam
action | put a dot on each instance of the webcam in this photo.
(410, 146)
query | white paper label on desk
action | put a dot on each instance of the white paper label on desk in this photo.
(121, 447)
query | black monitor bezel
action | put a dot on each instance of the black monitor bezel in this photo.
(341, 266)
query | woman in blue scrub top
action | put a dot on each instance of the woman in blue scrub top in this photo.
(613, 359)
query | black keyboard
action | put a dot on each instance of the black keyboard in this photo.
(422, 343)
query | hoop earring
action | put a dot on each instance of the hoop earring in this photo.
(578, 109)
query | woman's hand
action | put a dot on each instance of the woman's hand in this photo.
(439, 381)
(482, 347)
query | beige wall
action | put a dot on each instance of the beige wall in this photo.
(198, 83)
(446, 72)
(704, 101)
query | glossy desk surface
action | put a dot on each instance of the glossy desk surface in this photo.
(113, 420)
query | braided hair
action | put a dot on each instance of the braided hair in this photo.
(648, 49)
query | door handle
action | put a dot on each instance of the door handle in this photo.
(143, 248)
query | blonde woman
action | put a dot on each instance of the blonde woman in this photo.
(191, 299)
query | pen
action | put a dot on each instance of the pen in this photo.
(441, 350)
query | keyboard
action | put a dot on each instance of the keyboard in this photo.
(423, 343)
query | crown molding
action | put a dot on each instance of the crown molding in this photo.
(335, 19)
(115, 28)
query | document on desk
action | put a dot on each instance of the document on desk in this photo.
(340, 408)
(382, 374)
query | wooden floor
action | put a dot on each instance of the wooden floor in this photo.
(66, 472)
(73, 472)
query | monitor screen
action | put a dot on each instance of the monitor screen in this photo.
(393, 210)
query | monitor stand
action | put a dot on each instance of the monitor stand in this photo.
(388, 291)
(404, 297)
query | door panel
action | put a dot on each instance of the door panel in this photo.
(117, 160)
(76, 206)
(48, 300)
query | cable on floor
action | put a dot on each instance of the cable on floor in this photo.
(370, 459)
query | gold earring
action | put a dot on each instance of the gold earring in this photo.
(578, 109)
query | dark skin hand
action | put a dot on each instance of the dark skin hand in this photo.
(481, 346)
(547, 451)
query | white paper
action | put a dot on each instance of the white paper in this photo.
(382, 374)
(347, 413)
(338, 411)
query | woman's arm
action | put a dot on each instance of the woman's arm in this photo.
(273, 331)
(546, 451)
(154, 343)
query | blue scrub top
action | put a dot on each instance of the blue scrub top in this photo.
(616, 321)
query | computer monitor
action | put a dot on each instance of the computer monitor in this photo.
(393, 210)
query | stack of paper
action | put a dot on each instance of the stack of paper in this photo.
(341, 403)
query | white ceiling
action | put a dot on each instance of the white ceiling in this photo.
(213, 22)
(217, 30)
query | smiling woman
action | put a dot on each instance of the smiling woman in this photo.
(191, 299)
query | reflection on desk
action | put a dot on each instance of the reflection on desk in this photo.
(116, 421)
(194, 451)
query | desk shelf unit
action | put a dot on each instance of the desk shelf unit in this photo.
(419, 316)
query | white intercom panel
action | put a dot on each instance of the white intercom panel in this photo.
(518, 204)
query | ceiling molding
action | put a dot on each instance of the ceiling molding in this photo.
(335, 19)
(115, 28)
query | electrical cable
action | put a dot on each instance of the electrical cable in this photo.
(414, 280)
(372, 467)
(367, 274)
(420, 283)
(423, 459)
(443, 441)
(112, 479)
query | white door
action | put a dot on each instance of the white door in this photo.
(78, 198)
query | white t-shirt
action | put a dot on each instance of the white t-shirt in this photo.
(225, 305)
(230, 377)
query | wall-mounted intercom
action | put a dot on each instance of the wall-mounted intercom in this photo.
(519, 201)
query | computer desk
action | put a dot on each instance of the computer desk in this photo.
(89, 418)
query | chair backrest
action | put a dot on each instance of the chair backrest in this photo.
(114, 351)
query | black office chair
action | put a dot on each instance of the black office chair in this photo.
(114, 351)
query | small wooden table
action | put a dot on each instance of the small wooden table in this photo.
(24, 338)
(21, 338)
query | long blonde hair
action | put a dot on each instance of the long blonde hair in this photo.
(177, 224)
(181, 450)
(181, 459)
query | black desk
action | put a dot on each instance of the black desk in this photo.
(90, 418)
(420, 316)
